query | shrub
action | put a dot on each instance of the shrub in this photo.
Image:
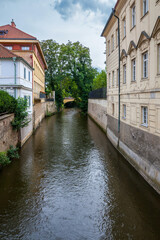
(7, 102)
(4, 159)
(21, 115)
(12, 153)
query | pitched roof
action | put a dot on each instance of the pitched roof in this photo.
(5, 54)
(10, 32)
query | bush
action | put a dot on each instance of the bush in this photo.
(12, 153)
(7, 102)
(4, 159)
(21, 115)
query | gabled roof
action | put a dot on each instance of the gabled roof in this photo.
(7, 54)
(123, 53)
(10, 32)
(143, 35)
(156, 27)
(131, 45)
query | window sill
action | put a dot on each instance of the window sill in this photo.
(144, 15)
(132, 28)
(124, 118)
(144, 125)
(144, 79)
(133, 81)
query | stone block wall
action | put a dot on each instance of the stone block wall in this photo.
(97, 109)
(8, 136)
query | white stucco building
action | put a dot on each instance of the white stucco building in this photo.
(16, 76)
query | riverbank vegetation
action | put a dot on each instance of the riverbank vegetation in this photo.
(70, 72)
(7, 157)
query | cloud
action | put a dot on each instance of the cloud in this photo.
(68, 8)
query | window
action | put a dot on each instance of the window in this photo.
(124, 111)
(9, 47)
(109, 80)
(29, 77)
(133, 70)
(145, 65)
(117, 76)
(133, 16)
(145, 116)
(145, 6)
(24, 73)
(112, 42)
(113, 109)
(113, 78)
(124, 27)
(109, 50)
(159, 59)
(28, 98)
(124, 73)
(116, 37)
(25, 48)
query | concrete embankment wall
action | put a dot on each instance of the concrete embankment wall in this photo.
(97, 110)
(140, 148)
(8, 136)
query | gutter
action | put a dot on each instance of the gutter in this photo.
(15, 80)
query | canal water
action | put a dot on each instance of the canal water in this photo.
(71, 184)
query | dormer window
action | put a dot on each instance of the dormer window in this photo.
(25, 48)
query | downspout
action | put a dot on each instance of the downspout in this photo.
(15, 80)
(119, 99)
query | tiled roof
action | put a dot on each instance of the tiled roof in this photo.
(5, 53)
(9, 32)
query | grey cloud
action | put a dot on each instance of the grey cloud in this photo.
(66, 8)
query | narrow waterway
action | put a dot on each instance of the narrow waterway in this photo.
(71, 184)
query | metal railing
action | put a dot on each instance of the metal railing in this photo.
(99, 93)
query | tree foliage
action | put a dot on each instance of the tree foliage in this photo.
(100, 80)
(7, 102)
(69, 71)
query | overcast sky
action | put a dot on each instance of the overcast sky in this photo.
(62, 20)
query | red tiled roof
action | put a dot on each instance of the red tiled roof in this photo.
(9, 32)
(5, 53)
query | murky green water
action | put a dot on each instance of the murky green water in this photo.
(71, 184)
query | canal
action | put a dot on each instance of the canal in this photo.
(71, 184)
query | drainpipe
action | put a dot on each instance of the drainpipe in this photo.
(119, 103)
(15, 80)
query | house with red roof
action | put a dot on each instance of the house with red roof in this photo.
(16, 76)
(27, 47)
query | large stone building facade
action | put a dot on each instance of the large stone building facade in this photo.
(139, 135)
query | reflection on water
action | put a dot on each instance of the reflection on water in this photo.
(71, 184)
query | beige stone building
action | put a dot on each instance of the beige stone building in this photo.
(139, 136)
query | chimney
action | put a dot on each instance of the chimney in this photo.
(13, 24)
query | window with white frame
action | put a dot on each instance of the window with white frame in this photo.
(113, 78)
(133, 70)
(158, 58)
(145, 64)
(9, 47)
(25, 48)
(24, 73)
(144, 116)
(112, 38)
(145, 6)
(124, 27)
(28, 98)
(29, 76)
(124, 111)
(124, 73)
(133, 15)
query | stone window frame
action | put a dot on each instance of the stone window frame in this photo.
(144, 119)
(113, 109)
(133, 74)
(145, 63)
(112, 42)
(117, 77)
(144, 13)
(109, 47)
(124, 26)
(124, 111)
(133, 6)
(124, 73)
(113, 78)
(117, 37)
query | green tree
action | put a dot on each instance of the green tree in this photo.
(69, 71)
(100, 80)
